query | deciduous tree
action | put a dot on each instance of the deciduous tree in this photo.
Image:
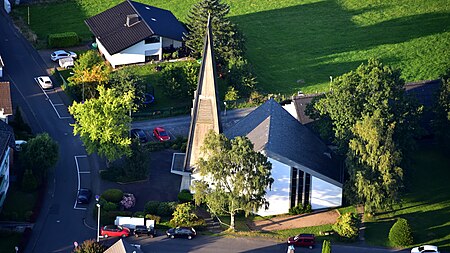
(103, 123)
(40, 154)
(234, 176)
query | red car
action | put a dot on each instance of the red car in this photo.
(113, 230)
(302, 240)
(161, 134)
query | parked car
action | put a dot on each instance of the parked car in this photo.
(113, 230)
(139, 134)
(84, 196)
(66, 62)
(62, 54)
(425, 248)
(19, 144)
(302, 240)
(161, 134)
(44, 81)
(143, 230)
(181, 232)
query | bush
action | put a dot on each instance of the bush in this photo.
(400, 233)
(299, 209)
(112, 195)
(151, 207)
(139, 214)
(66, 39)
(326, 246)
(128, 200)
(29, 182)
(347, 226)
(185, 196)
(109, 206)
(183, 215)
(156, 218)
(165, 209)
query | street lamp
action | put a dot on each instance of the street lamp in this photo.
(97, 198)
(225, 112)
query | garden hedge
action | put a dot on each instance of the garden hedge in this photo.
(66, 39)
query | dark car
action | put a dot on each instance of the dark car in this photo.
(113, 230)
(139, 134)
(302, 240)
(181, 232)
(143, 230)
(84, 196)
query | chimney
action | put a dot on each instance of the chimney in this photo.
(132, 19)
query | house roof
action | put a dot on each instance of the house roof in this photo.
(6, 138)
(280, 136)
(110, 28)
(122, 247)
(5, 98)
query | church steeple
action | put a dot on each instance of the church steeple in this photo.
(205, 115)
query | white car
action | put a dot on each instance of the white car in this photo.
(425, 248)
(44, 82)
(66, 62)
(62, 54)
(19, 144)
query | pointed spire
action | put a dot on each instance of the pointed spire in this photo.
(205, 111)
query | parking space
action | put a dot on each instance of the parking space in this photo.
(152, 138)
(83, 176)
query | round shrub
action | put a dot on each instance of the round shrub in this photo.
(109, 206)
(347, 226)
(184, 196)
(112, 195)
(166, 209)
(151, 207)
(400, 233)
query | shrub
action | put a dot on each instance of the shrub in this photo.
(110, 206)
(400, 233)
(183, 215)
(128, 200)
(112, 195)
(166, 209)
(151, 207)
(66, 39)
(299, 209)
(139, 214)
(326, 246)
(29, 182)
(185, 196)
(156, 218)
(347, 226)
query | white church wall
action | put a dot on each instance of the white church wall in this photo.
(278, 196)
(324, 194)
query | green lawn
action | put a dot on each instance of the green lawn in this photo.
(307, 40)
(426, 206)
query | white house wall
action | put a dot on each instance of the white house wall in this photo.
(324, 195)
(4, 171)
(278, 196)
(133, 54)
(290, 108)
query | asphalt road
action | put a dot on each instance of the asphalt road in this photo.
(60, 223)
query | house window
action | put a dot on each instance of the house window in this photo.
(293, 187)
(307, 195)
(152, 40)
(301, 180)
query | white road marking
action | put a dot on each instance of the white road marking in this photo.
(51, 102)
(78, 176)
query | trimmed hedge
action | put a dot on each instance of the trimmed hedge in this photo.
(66, 39)
(185, 196)
(112, 195)
(400, 233)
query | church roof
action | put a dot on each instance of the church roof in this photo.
(280, 136)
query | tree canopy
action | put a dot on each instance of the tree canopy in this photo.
(40, 154)
(228, 41)
(442, 110)
(234, 176)
(103, 123)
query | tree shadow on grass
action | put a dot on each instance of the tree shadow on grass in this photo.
(304, 41)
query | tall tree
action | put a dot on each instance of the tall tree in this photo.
(442, 110)
(373, 162)
(372, 86)
(228, 41)
(103, 123)
(234, 176)
(40, 154)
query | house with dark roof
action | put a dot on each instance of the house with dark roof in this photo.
(6, 145)
(305, 170)
(132, 32)
(5, 101)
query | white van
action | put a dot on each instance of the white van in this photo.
(66, 62)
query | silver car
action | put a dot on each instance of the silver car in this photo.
(62, 54)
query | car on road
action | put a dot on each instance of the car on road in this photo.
(425, 248)
(302, 240)
(144, 230)
(113, 230)
(161, 134)
(181, 232)
(139, 134)
(45, 82)
(62, 54)
(84, 196)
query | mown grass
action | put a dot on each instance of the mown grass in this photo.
(298, 44)
(426, 206)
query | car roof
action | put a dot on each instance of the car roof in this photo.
(160, 129)
(429, 247)
(45, 78)
(60, 52)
